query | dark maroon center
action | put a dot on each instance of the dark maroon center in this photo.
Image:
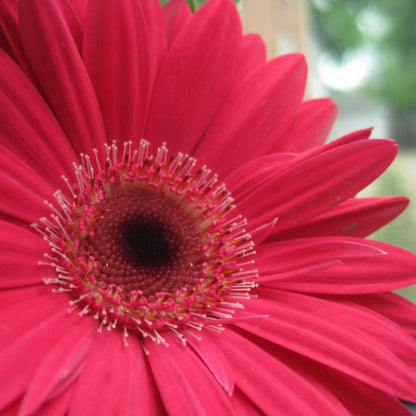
(149, 242)
(144, 241)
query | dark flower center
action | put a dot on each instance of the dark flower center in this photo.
(149, 242)
(144, 241)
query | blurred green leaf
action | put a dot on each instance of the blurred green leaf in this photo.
(387, 27)
(336, 25)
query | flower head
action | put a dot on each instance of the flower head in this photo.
(201, 250)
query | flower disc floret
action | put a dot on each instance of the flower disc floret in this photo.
(148, 243)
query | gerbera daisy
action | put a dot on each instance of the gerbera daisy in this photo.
(201, 251)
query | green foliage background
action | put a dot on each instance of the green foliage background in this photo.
(341, 27)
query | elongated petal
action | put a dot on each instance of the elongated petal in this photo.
(10, 40)
(335, 308)
(22, 189)
(59, 405)
(357, 397)
(363, 400)
(252, 55)
(116, 55)
(60, 366)
(80, 9)
(355, 217)
(20, 251)
(392, 306)
(261, 233)
(12, 297)
(392, 270)
(310, 128)
(316, 184)
(22, 352)
(9, 29)
(176, 13)
(272, 386)
(279, 257)
(28, 128)
(256, 172)
(329, 341)
(156, 35)
(115, 380)
(215, 360)
(11, 409)
(356, 136)
(195, 77)
(243, 406)
(255, 113)
(180, 367)
(47, 29)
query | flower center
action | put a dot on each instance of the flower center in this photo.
(144, 242)
(149, 243)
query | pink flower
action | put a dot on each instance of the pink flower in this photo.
(145, 285)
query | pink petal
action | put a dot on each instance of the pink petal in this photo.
(14, 296)
(328, 339)
(318, 183)
(116, 55)
(353, 137)
(29, 129)
(22, 352)
(361, 399)
(310, 128)
(11, 409)
(358, 398)
(215, 360)
(10, 41)
(115, 380)
(261, 170)
(60, 366)
(256, 172)
(23, 190)
(20, 251)
(80, 9)
(275, 258)
(382, 330)
(261, 233)
(176, 13)
(243, 406)
(185, 384)
(32, 307)
(195, 76)
(55, 59)
(59, 405)
(255, 114)
(392, 306)
(252, 55)
(272, 386)
(156, 35)
(361, 274)
(355, 217)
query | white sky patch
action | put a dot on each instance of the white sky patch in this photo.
(347, 75)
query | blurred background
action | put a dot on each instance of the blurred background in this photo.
(362, 54)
